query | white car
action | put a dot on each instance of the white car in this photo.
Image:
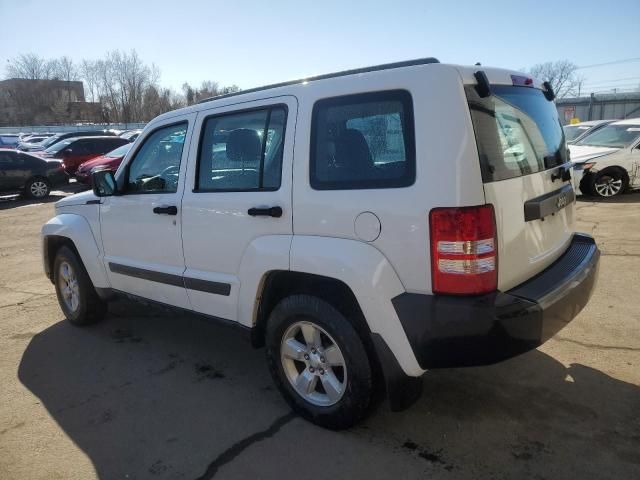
(607, 162)
(364, 226)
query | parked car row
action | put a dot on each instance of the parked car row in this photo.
(33, 164)
(606, 156)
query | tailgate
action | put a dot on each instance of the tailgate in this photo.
(525, 173)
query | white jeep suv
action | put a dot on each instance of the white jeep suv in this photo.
(365, 226)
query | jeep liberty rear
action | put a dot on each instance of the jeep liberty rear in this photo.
(509, 274)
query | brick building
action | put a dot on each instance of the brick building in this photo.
(34, 102)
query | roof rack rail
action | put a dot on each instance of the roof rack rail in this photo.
(375, 68)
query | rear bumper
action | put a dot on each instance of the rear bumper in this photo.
(450, 331)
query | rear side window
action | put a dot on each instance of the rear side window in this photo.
(82, 147)
(363, 141)
(517, 131)
(242, 151)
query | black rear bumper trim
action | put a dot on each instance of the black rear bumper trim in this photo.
(449, 331)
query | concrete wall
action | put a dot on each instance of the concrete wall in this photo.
(599, 107)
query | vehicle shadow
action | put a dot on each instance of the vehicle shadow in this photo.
(627, 197)
(57, 193)
(150, 393)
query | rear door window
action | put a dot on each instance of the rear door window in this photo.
(517, 131)
(242, 151)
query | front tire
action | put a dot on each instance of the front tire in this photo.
(76, 295)
(319, 362)
(37, 188)
(609, 183)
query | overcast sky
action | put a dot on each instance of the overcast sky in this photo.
(252, 43)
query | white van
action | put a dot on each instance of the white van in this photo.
(365, 226)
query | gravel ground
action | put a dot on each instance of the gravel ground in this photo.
(154, 394)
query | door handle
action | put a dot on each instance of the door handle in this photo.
(171, 210)
(265, 212)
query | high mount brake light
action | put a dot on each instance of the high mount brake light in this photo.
(522, 81)
(464, 255)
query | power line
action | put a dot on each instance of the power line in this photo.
(626, 60)
(613, 90)
(600, 82)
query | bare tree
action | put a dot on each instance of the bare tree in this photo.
(89, 73)
(127, 89)
(208, 89)
(29, 66)
(562, 75)
(65, 69)
(189, 93)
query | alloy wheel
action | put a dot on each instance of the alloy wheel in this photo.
(313, 364)
(68, 284)
(608, 186)
(39, 189)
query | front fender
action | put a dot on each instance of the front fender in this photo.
(76, 228)
(371, 278)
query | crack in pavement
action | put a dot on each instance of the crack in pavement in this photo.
(237, 448)
(595, 345)
(34, 296)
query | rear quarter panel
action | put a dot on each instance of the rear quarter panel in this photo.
(447, 170)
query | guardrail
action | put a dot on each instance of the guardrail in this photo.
(70, 128)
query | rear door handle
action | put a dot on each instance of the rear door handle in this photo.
(170, 210)
(265, 212)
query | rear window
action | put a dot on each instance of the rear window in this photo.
(615, 136)
(517, 131)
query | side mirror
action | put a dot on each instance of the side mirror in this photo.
(66, 152)
(104, 183)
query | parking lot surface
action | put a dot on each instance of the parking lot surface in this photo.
(149, 393)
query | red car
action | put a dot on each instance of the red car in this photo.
(77, 150)
(108, 161)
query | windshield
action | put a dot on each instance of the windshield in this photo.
(120, 151)
(614, 136)
(517, 132)
(571, 132)
(50, 141)
(58, 146)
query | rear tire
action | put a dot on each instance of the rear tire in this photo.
(319, 362)
(608, 183)
(37, 188)
(76, 295)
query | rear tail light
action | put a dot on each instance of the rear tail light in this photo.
(464, 254)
